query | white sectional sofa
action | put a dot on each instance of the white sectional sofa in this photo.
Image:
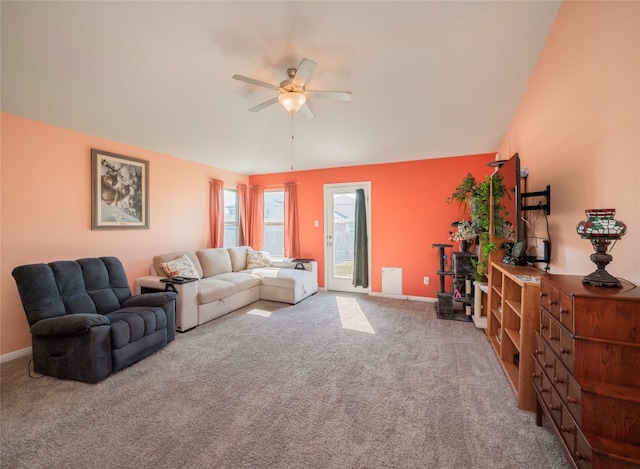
(225, 283)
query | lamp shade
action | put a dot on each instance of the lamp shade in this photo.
(292, 101)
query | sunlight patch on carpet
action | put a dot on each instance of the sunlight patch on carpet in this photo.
(352, 316)
(259, 312)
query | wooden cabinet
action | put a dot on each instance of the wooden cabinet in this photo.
(512, 322)
(587, 370)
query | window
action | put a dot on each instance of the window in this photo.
(230, 218)
(274, 223)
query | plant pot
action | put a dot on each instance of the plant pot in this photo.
(477, 299)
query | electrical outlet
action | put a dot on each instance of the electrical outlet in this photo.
(426, 280)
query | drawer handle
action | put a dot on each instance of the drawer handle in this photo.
(542, 328)
(546, 365)
(571, 400)
(558, 380)
(538, 352)
(534, 376)
(543, 390)
(565, 429)
(565, 350)
(554, 408)
(564, 311)
(581, 457)
(552, 337)
(553, 302)
(543, 294)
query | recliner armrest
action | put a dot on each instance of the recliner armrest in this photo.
(69, 325)
(150, 299)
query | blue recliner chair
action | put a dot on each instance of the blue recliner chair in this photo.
(84, 322)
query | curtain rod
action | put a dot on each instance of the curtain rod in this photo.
(265, 185)
(269, 185)
(276, 185)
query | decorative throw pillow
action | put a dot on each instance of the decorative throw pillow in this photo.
(180, 267)
(257, 259)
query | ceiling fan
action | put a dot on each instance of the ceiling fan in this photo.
(293, 94)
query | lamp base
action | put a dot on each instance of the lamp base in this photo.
(601, 278)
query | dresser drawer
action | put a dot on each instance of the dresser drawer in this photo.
(544, 323)
(583, 455)
(545, 390)
(555, 407)
(573, 400)
(554, 302)
(566, 350)
(561, 381)
(568, 430)
(536, 375)
(539, 352)
(565, 311)
(545, 295)
(554, 335)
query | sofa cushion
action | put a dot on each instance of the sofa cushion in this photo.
(238, 257)
(157, 260)
(276, 277)
(214, 261)
(180, 267)
(224, 285)
(257, 259)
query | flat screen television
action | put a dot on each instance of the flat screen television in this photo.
(512, 203)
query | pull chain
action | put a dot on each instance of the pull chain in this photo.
(292, 141)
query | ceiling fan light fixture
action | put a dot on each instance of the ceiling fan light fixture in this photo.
(292, 101)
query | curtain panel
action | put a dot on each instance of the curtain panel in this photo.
(243, 215)
(291, 232)
(256, 217)
(216, 213)
(361, 243)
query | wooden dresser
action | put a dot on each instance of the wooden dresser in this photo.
(586, 371)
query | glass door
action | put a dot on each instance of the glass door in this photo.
(340, 235)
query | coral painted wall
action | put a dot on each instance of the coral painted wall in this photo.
(577, 128)
(46, 209)
(409, 213)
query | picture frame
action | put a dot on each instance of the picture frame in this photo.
(119, 192)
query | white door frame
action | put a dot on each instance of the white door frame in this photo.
(330, 282)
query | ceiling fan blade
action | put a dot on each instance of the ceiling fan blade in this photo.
(253, 81)
(260, 107)
(305, 69)
(334, 95)
(306, 111)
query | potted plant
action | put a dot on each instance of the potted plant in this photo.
(477, 197)
(466, 233)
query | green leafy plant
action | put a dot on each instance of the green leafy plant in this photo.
(464, 191)
(477, 198)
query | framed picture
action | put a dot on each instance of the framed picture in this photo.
(119, 192)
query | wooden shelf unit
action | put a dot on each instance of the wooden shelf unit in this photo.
(512, 322)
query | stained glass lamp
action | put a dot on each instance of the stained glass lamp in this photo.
(601, 229)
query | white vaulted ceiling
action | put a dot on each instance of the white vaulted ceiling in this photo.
(429, 79)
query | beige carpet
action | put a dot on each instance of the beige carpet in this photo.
(337, 381)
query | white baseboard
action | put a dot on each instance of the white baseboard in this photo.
(7, 357)
(424, 299)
